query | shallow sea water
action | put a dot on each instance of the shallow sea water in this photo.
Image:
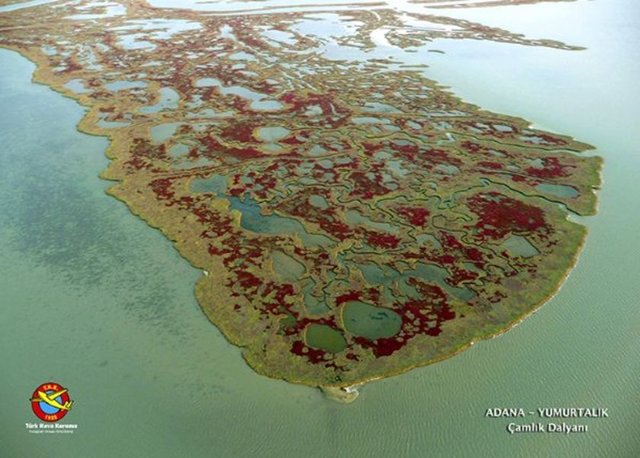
(94, 299)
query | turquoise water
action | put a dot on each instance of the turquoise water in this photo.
(96, 300)
(372, 322)
(252, 218)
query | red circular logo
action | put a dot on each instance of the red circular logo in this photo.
(50, 402)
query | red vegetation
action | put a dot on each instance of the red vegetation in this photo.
(366, 187)
(499, 215)
(383, 240)
(350, 296)
(552, 169)
(143, 154)
(314, 355)
(247, 280)
(415, 215)
(162, 189)
(279, 302)
(490, 165)
(239, 132)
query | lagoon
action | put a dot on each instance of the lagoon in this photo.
(126, 322)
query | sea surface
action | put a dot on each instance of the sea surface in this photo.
(94, 299)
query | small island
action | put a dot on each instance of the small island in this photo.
(353, 219)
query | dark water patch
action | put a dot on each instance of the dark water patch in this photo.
(558, 190)
(517, 245)
(366, 320)
(325, 338)
(216, 184)
(252, 218)
(384, 275)
(55, 210)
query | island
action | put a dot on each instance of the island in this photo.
(352, 218)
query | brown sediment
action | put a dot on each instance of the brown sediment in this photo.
(385, 188)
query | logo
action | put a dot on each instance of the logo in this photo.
(51, 402)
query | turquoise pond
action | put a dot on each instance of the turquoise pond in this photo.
(94, 299)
